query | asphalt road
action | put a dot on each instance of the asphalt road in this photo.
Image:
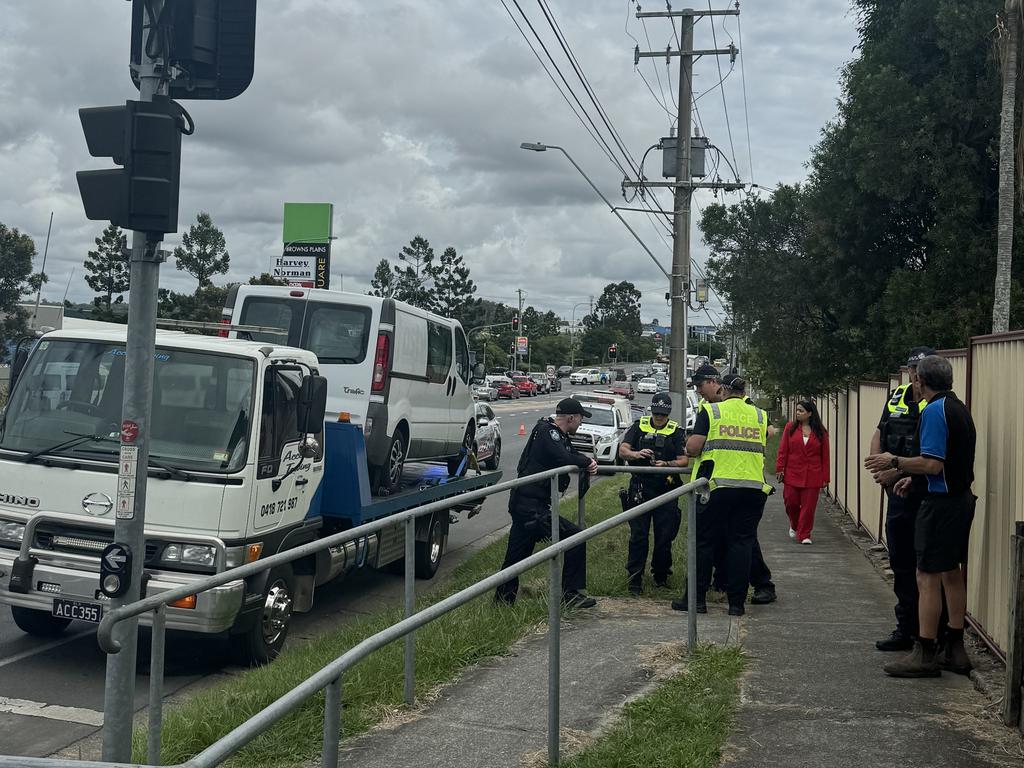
(51, 691)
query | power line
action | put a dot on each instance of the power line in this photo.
(567, 50)
(596, 138)
(655, 66)
(743, 76)
(721, 83)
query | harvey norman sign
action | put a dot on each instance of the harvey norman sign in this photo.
(305, 259)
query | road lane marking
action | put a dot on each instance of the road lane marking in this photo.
(44, 648)
(51, 711)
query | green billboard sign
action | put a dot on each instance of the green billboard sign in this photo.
(306, 256)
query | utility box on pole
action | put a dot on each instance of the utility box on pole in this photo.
(698, 151)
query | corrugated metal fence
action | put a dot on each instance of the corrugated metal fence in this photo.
(986, 376)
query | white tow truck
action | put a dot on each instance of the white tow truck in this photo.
(242, 466)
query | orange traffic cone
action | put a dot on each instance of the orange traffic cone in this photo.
(522, 430)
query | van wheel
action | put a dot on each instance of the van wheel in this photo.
(492, 462)
(38, 623)
(262, 643)
(389, 476)
(428, 553)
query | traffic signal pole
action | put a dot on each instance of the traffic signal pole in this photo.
(119, 690)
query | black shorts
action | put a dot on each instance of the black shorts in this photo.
(941, 531)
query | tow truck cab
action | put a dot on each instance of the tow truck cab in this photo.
(232, 478)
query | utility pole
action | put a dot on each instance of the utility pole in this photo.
(522, 327)
(42, 271)
(679, 282)
(1009, 34)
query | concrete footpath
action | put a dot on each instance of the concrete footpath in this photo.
(815, 694)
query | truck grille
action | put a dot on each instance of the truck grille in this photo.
(81, 541)
(583, 443)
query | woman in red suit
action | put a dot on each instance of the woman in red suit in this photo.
(802, 466)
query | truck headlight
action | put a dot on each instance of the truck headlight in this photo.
(12, 532)
(189, 554)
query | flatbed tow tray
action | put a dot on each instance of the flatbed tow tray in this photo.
(422, 484)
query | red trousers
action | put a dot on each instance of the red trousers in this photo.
(800, 505)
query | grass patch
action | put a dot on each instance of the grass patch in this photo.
(682, 724)
(372, 690)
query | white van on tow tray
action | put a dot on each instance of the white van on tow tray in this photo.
(402, 373)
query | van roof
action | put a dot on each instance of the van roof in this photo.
(325, 295)
(191, 341)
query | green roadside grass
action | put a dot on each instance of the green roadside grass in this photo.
(683, 723)
(372, 690)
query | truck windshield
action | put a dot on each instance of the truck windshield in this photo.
(202, 405)
(599, 417)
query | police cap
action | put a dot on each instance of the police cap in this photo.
(571, 407)
(734, 382)
(704, 373)
(917, 354)
(661, 404)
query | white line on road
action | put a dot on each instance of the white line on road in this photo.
(45, 647)
(51, 711)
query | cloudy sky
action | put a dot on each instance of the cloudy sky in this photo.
(408, 117)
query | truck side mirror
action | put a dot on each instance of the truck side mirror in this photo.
(312, 404)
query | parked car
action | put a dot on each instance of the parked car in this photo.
(639, 373)
(402, 373)
(585, 376)
(564, 371)
(488, 437)
(623, 389)
(661, 382)
(541, 380)
(485, 392)
(506, 388)
(527, 386)
(554, 384)
(647, 385)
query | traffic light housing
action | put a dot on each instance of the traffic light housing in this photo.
(613, 351)
(515, 323)
(144, 138)
(212, 43)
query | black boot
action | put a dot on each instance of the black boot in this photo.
(953, 657)
(897, 641)
(683, 604)
(920, 662)
(763, 596)
(636, 585)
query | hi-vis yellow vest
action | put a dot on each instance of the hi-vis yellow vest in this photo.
(702, 405)
(898, 402)
(736, 443)
(647, 427)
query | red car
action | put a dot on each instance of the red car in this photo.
(507, 389)
(622, 389)
(527, 386)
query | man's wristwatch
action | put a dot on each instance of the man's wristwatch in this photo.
(895, 463)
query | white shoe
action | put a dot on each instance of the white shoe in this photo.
(806, 541)
(792, 533)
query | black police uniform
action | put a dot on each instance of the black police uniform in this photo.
(898, 429)
(548, 447)
(664, 519)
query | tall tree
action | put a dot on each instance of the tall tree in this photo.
(108, 268)
(453, 288)
(414, 282)
(203, 251)
(16, 254)
(383, 282)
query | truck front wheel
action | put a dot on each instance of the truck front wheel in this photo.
(38, 623)
(429, 551)
(263, 641)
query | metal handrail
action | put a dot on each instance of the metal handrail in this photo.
(329, 677)
(121, 613)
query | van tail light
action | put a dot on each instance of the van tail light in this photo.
(380, 363)
(224, 321)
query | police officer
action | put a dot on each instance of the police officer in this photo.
(653, 441)
(730, 435)
(548, 447)
(897, 434)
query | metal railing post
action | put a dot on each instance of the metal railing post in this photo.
(554, 631)
(581, 505)
(156, 685)
(332, 724)
(691, 572)
(410, 608)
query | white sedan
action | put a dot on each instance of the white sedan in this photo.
(488, 437)
(647, 386)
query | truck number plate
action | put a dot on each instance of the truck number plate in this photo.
(74, 609)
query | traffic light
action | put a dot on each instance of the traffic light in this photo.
(613, 352)
(515, 323)
(145, 138)
(211, 43)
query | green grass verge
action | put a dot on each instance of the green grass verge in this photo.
(681, 724)
(373, 688)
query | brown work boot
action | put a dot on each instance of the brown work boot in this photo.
(920, 662)
(954, 656)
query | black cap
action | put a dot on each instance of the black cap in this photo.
(661, 404)
(704, 373)
(917, 354)
(571, 407)
(734, 382)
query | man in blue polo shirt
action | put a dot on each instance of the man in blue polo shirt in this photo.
(945, 468)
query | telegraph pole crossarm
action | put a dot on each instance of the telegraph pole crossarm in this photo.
(728, 186)
(732, 50)
(685, 12)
